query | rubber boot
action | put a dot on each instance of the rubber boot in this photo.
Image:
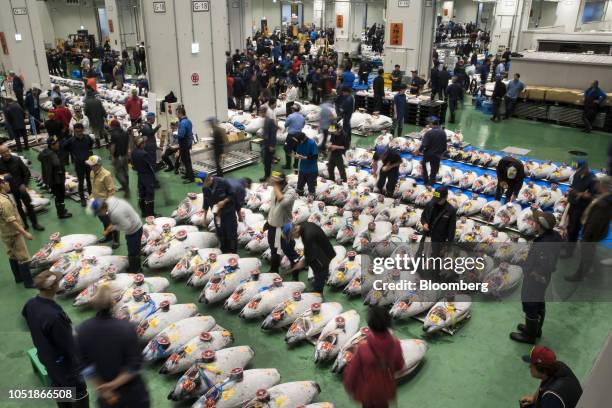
(62, 213)
(26, 276)
(115, 235)
(529, 335)
(34, 221)
(15, 270)
(288, 161)
(521, 326)
(141, 205)
(134, 265)
(576, 277)
(275, 261)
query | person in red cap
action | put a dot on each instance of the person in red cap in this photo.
(541, 262)
(559, 387)
(369, 377)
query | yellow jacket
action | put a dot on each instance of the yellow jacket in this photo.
(102, 184)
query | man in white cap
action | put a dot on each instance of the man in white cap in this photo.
(510, 176)
(541, 262)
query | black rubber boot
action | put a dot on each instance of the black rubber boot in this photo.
(134, 265)
(62, 213)
(115, 235)
(275, 261)
(26, 276)
(34, 221)
(576, 277)
(15, 270)
(521, 326)
(141, 205)
(529, 335)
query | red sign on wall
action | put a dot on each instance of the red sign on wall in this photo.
(339, 21)
(5, 49)
(111, 28)
(396, 32)
(195, 78)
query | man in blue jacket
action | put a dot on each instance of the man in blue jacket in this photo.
(32, 104)
(307, 152)
(185, 138)
(594, 97)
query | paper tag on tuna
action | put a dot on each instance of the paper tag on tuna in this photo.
(349, 265)
(59, 245)
(196, 261)
(153, 323)
(227, 394)
(174, 337)
(213, 369)
(188, 349)
(281, 400)
(317, 318)
(84, 270)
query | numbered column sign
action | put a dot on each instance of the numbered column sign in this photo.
(200, 5)
(396, 33)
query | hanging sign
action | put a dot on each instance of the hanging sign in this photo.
(195, 79)
(396, 33)
(200, 5)
(339, 21)
(159, 6)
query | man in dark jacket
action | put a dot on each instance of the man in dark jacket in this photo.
(541, 262)
(111, 354)
(347, 107)
(439, 220)
(95, 112)
(581, 193)
(80, 148)
(498, 96)
(119, 150)
(218, 191)
(54, 174)
(15, 119)
(455, 94)
(51, 332)
(434, 82)
(594, 98)
(444, 77)
(254, 91)
(364, 71)
(510, 176)
(433, 147)
(144, 167)
(19, 179)
(269, 142)
(596, 220)
(18, 88)
(559, 387)
(318, 251)
(389, 172)
(219, 140)
(32, 104)
(484, 71)
(378, 87)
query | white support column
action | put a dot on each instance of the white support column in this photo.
(239, 14)
(25, 50)
(511, 17)
(114, 27)
(417, 30)
(186, 55)
(318, 9)
(347, 38)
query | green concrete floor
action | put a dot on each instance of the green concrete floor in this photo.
(478, 367)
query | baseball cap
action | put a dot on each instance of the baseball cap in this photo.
(278, 176)
(540, 355)
(201, 176)
(433, 119)
(77, 108)
(546, 220)
(440, 193)
(95, 205)
(150, 114)
(93, 160)
(511, 172)
(114, 122)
